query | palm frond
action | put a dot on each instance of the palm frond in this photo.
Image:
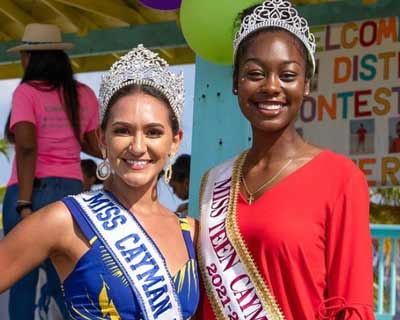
(4, 145)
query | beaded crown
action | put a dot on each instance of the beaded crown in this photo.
(277, 13)
(142, 66)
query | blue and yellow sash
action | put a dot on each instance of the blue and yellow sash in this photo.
(135, 253)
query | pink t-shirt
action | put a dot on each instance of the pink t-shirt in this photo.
(58, 149)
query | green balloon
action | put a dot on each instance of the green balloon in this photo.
(208, 27)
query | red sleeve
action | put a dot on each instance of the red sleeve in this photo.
(349, 253)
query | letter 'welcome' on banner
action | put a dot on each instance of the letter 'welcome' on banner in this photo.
(354, 105)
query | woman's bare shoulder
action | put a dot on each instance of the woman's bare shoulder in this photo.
(55, 221)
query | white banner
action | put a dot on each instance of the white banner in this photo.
(354, 105)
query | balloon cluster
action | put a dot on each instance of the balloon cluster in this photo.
(207, 25)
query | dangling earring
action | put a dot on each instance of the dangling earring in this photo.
(168, 170)
(235, 91)
(103, 170)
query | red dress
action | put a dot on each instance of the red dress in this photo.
(309, 235)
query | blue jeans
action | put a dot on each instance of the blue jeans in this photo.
(23, 293)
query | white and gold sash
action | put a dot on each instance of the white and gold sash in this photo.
(234, 285)
(135, 253)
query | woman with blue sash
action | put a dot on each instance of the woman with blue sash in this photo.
(119, 253)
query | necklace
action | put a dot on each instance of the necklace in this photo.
(250, 198)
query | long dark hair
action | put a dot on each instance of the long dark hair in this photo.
(8, 135)
(49, 70)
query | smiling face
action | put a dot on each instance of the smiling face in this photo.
(271, 81)
(138, 138)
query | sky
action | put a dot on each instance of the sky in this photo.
(92, 79)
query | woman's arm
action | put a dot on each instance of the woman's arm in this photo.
(37, 237)
(26, 156)
(349, 254)
(90, 144)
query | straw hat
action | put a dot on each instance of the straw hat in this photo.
(38, 36)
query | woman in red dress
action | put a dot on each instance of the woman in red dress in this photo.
(284, 225)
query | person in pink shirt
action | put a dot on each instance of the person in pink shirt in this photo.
(53, 118)
(119, 253)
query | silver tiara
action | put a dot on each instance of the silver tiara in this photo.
(142, 66)
(277, 13)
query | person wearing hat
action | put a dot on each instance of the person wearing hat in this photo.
(119, 252)
(53, 118)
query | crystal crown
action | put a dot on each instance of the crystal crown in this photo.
(277, 13)
(142, 66)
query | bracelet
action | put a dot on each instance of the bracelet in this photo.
(23, 206)
(24, 202)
